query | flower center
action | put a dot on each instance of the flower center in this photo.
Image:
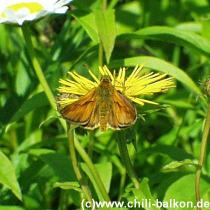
(32, 7)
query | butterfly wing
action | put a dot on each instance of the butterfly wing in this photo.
(123, 113)
(86, 111)
(83, 111)
(94, 118)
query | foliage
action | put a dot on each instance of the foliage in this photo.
(166, 36)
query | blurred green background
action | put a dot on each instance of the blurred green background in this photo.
(166, 36)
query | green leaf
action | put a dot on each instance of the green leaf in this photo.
(183, 190)
(176, 102)
(177, 164)
(41, 151)
(105, 22)
(22, 79)
(60, 165)
(29, 105)
(11, 208)
(8, 177)
(68, 186)
(144, 194)
(190, 26)
(171, 151)
(162, 66)
(88, 23)
(105, 172)
(167, 34)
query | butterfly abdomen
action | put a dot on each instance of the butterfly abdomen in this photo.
(103, 116)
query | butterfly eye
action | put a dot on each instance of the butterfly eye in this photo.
(105, 78)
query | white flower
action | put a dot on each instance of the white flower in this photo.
(17, 11)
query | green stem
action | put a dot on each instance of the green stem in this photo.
(122, 184)
(38, 70)
(91, 143)
(63, 200)
(92, 169)
(36, 66)
(73, 158)
(202, 155)
(126, 159)
(100, 49)
(50, 96)
(100, 54)
(104, 5)
(13, 139)
(40, 75)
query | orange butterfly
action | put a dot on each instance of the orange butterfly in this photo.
(103, 107)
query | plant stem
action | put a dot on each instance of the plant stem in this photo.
(100, 54)
(36, 66)
(73, 158)
(202, 155)
(38, 70)
(126, 159)
(62, 200)
(100, 49)
(91, 143)
(40, 75)
(104, 5)
(92, 169)
(122, 184)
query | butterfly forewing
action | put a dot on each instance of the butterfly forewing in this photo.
(123, 113)
(94, 118)
(82, 111)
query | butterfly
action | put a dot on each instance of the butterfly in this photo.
(103, 106)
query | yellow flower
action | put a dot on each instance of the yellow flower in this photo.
(134, 87)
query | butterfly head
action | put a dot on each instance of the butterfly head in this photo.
(105, 81)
